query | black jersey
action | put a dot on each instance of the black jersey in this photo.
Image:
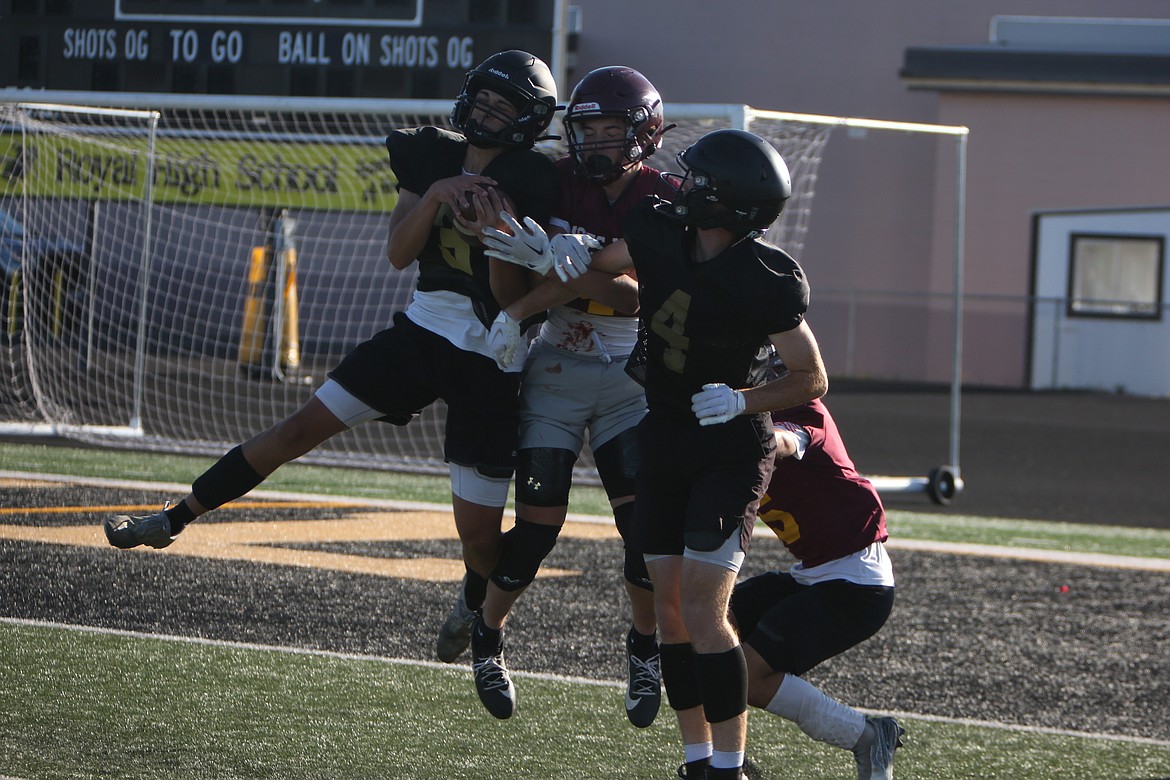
(423, 155)
(710, 321)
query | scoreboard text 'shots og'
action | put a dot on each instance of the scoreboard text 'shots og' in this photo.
(330, 48)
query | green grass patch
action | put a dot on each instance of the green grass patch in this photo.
(219, 712)
(293, 477)
(1031, 534)
(78, 704)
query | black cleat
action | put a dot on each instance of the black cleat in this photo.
(492, 681)
(644, 686)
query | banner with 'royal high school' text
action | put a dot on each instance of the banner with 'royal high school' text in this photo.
(333, 176)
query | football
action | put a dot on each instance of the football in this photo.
(467, 211)
(467, 202)
(467, 205)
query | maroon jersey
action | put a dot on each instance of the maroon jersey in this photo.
(584, 207)
(819, 506)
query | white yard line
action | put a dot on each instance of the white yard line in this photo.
(1098, 560)
(463, 669)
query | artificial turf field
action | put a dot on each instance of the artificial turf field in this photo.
(293, 638)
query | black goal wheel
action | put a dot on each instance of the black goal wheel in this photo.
(942, 485)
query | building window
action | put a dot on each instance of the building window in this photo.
(1116, 276)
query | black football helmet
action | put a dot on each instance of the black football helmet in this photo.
(738, 181)
(524, 80)
(618, 92)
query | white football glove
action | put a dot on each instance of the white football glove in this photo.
(526, 246)
(506, 343)
(572, 253)
(716, 403)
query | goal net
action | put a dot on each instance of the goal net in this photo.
(179, 279)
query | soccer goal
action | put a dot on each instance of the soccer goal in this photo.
(191, 269)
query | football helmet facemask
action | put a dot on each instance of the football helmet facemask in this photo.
(618, 92)
(738, 181)
(528, 85)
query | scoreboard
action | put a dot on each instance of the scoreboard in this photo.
(318, 48)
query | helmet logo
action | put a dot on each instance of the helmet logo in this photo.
(499, 73)
(581, 108)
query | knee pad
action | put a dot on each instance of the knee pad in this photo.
(723, 678)
(544, 476)
(617, 463)
(522, 550)
(623, 518)
(635, 571)
(486, 487)
(635, 564)
(680, 675)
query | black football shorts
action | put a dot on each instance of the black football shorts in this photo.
(794, 627)
(406, 368)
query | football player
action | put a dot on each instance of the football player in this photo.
(437, 348)
(715, 299)
(838, 594)
(574, 381)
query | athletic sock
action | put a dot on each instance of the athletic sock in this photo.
(817, 715)
(228, 478)
(723, 759)
(487, 637)
(697, 757)
(474, 591)
(641, 645)
(179, 515)
(696, 752)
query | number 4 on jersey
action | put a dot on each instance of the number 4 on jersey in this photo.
(669, 323)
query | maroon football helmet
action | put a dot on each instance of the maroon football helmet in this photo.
(618, 92)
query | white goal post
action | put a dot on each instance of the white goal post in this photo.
(193, 266)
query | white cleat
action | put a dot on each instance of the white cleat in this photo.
(125, 531)
(877, 761)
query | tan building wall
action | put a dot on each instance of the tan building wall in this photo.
(1052, 153)
(882, 220)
